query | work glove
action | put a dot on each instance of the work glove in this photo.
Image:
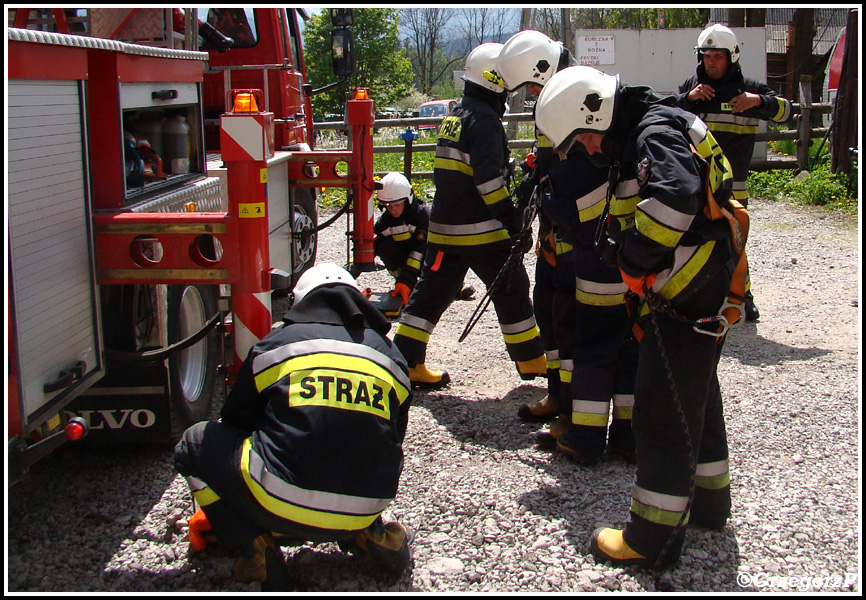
(402, 290)
(639, 285)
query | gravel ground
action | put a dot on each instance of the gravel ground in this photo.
(494, 512)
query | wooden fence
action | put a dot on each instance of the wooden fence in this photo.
(804, 132)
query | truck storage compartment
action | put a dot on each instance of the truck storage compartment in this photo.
(54, 297)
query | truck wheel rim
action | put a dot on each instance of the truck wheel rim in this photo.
(304, 247)
(192, 360)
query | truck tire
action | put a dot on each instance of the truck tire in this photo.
(193, 372)
(305, 218)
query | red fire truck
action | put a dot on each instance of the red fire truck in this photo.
(132, 258)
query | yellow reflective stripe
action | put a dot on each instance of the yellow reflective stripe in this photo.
(622, 412)
(664, 509)
(452, 165)
(565, 375)
(591, 205)
(784, 112)
(496, 196)
(311, 362)
(205, 496)
(300, 514)
(669, 232)
(591, 213)
(542, 141)
(682, 278)
(517, 338)
(553, 364)
(589, 419)
(713, 476)
(563, 248)
(411, 262)
(599, 299)
(412, 332)
(400, 237)
(656, 515)
(468, 240)
(733, 128)
(589, 412)
(741, 195)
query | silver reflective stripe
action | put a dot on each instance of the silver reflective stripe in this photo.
(600, 289)
(591, 407)
(665, 215)
(732, 119)
(277, 356)
(659, 500)
(697, 132)
(589, 200)
(627, 188)
(195, 484)
(491, 186)
(452, 153)
(510, 328)
(416, 255)
(417, 323)
(470, 229)
(398, 229)
(623, 400)
(682, 255)
(740, 186)
(720, 467)
(566, 364)
(552, 355)
(323, 501)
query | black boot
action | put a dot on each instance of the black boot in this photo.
(752, 313)
(261, 560)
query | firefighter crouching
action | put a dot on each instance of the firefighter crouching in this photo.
(472, 223)
(309, 444)
(401, 235)
(674, 252)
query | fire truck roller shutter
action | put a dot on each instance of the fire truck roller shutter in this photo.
(193, 372)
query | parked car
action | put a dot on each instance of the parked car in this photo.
(435, 108)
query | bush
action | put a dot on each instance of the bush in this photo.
(820, 187)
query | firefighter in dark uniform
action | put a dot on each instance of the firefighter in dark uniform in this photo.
(605, 349)
(401, 232)
(674, 251)
(472, 223)
(731, 104)
(401, 235)
(309, 444)
(529, 58)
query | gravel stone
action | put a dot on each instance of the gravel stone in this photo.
(494, 512)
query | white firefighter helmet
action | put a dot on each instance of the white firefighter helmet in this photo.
(718, 37)
(481, 67)
(575, 100)
(394, 188)
(323, 274)
(528, 57)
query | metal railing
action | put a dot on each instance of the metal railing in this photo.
(802, 114)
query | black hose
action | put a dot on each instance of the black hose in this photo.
(158, 356)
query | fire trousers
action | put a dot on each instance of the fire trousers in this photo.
(553, 301)
(605, 354)
(662, 483)
(209, 456)
(442, 278)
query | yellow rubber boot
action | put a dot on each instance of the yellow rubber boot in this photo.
(422, 377)
(530, 369)
(261, 560)
(608, 545)
(542, 410)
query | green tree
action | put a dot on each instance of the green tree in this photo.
(380, 64)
